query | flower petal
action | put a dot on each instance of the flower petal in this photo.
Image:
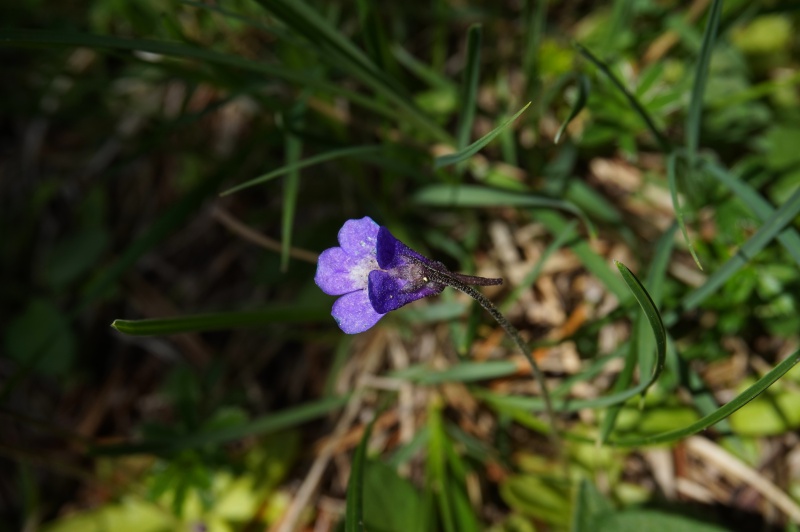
(354, 313)
(391, 253)
(387, 293)
(335, 270)
(359, 237)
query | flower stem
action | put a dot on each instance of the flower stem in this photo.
(453, 281)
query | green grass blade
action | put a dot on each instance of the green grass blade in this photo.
(653, 318)
(476, 146)
(535, 32)
(479, 196)
(584, 86)
(424, 72)
(463, 372)
(354, 511)
(333, 47)
(761, 207)
(723, 412)
(772, 226)
(221, 321)
(641, 344)
(268, 424)
(26, 37)
(694, 115)
(661, 139)
(309, 161)
(672, 180)
(438, 480)
(294, 149)
(469, 98)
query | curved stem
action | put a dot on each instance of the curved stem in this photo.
(453, 281)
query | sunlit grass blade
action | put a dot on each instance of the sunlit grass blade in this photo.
(672, 180)
(293, 149)
(772, 226)
(221, 321)
(653, 318)
(641, 343)
(761, 207)
(309, 161)
(26, 37)
(584, 86)
(476, 146)
(694, 114)
(354, 510)
(479, 196)
(469, 98)
(661, 139)
(463, 372)
(268, 424)
(723, 412)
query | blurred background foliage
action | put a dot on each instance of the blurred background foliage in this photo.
(123, 125)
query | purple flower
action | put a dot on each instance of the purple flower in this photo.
(374, 273)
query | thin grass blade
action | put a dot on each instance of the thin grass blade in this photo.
(469, 99)
(354, 510)
(772, 226)
(672, 180)
(584, 87)
(222, 321)
(291, 186)
(476, 146)
(479, 196)
(723, 412)
(309, 161)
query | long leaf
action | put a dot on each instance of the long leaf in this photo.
(761, 207)
(479, 196)
(28, 37)
(268, 424)
(221, 321)
(293, 149)
(772, 226)
(310, 161)
(354, 511)
(694, 115)
(723, 412)
(672, 180)
(662, 140)
(584, 86)
(475, 147)
(469, 100)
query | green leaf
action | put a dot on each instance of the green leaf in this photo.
(476, 146)
(721, 413)
(653, 317)
(310, 161)
(761, 207)
(661, 139)
(672, 180)
(293, 148)
(652, 521)
(772, 226)
(391, 503)
(221, 321)
(268, 424)
(469, 99)
(354, 512)
(478, 196)
(589, 505)
(694, 115)
(584, 86)
(41, 339)
(463, 372)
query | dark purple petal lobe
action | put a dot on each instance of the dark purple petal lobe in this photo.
(387, 293)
